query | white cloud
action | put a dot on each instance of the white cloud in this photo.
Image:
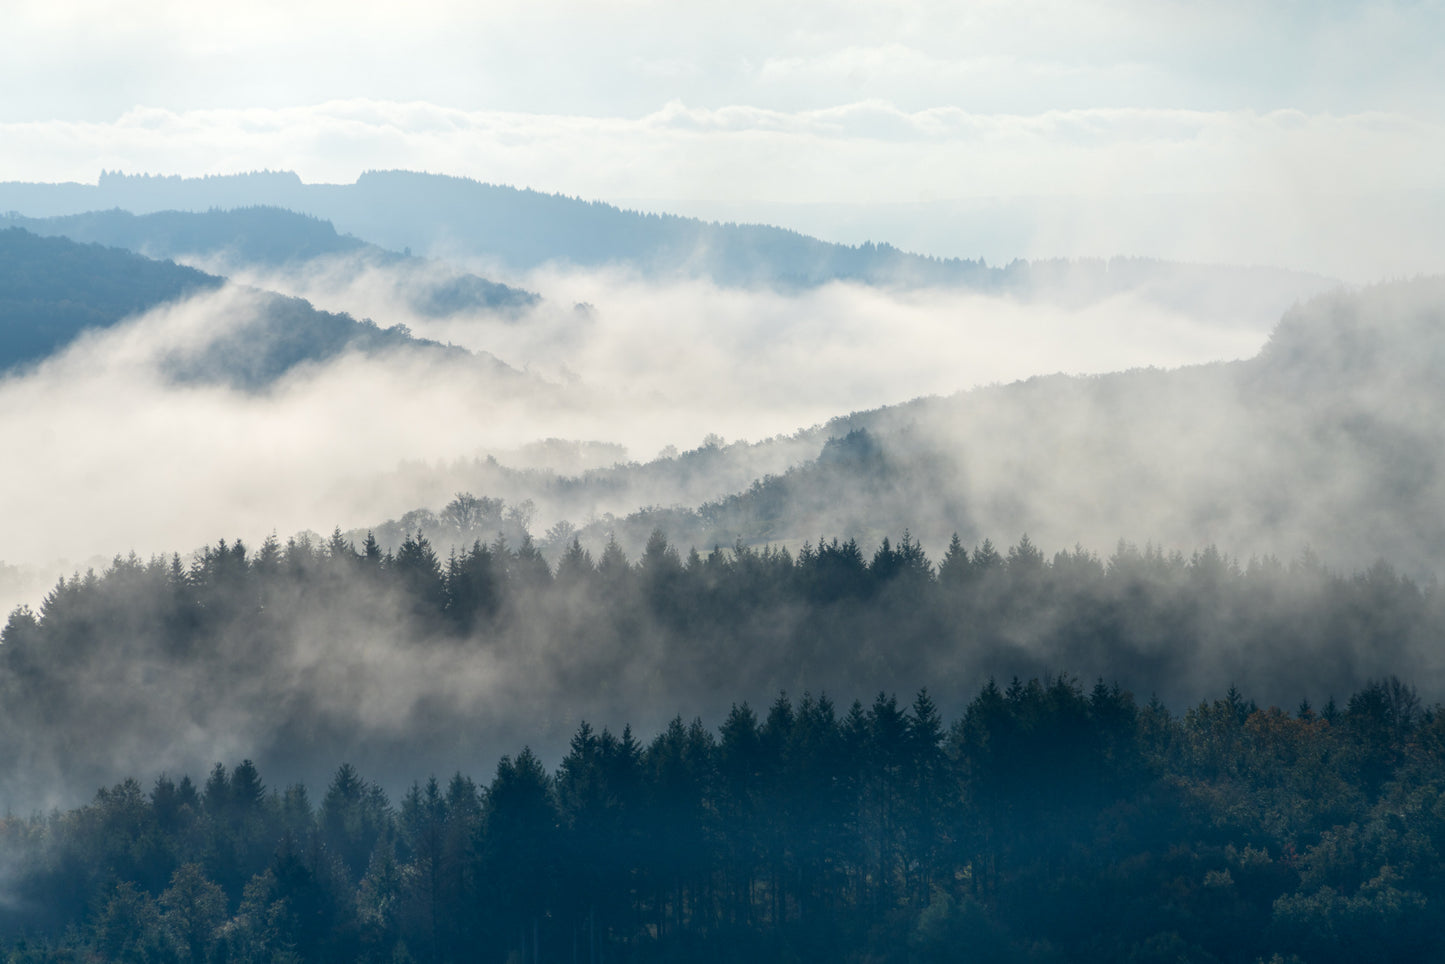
(95, 58)
(868, 150)
(123, 460)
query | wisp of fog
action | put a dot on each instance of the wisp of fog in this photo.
(122, 458)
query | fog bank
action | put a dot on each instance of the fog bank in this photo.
(125, 459)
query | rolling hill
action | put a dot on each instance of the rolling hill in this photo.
(269, 238)
(520, 229)
(1328, 442)
(54, 290)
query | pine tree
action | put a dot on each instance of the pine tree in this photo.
(955, 568)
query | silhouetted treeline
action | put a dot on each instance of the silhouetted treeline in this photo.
(1329, 438)
(304, 653)
(1049, 822)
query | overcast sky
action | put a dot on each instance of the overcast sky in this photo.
(1309, 112)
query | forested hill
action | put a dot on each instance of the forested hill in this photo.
(522, 228)
(256, 235)
(53, 289)
(303, 653)
(1049, 822)
(270, 237)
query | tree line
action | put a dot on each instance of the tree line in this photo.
(305, 653)
(1049, 822)
(833, 611)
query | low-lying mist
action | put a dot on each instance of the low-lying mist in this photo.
(299, 656)
(760, 361)
(314, 652)
(120, 457)
(1328, 440)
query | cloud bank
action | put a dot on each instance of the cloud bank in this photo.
(125, 460)
(582, 57)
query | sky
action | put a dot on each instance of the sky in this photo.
(1305, 135)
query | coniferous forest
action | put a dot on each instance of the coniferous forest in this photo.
(853, 483)
(1040, 815)
(1049, 822)
(303, 654)
(834, 749)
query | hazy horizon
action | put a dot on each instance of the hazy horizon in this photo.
(1303, 138)
(1300, 137)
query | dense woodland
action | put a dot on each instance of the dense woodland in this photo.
(52, 289)
(391, 660)
(1049, 822)
(1053, 819)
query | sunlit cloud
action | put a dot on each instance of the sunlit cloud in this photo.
(123, 459)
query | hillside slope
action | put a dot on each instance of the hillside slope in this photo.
(271, 238)
(53, 290)
(1329, 441)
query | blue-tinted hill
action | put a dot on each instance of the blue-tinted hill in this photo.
(52, 290)
(256, 235)
(273, 237)
(521, 229)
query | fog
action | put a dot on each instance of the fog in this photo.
(124, 459)
(310, 658)
(1323, 439)
(751, 363)
(1360, 238)
(1328, 441)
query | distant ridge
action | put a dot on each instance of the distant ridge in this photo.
(53, 290)
(522, 228)
(273, 237)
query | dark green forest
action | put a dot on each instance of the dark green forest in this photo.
(1004, 808)
(1048, 822)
